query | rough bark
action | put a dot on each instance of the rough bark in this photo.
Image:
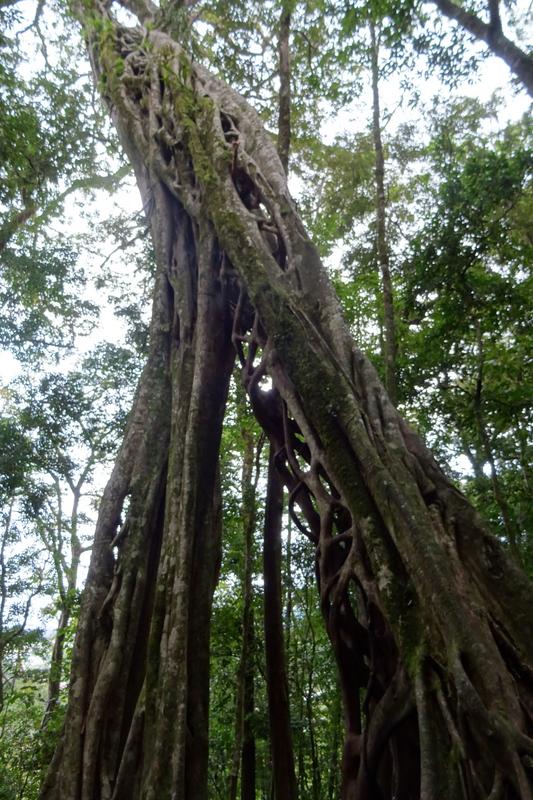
(4, 593)
(283, 774)
(519, 62)
(382, 248)
(426, 613)
(248, 739)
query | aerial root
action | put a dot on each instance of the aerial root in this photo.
(391, 709)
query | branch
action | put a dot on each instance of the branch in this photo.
(519, 62)
(18, 218)
(495, 21)
(108, 182)
(15, 221)
(36, 18)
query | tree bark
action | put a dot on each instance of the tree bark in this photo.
(67, 579)
(332, 790)
(248, 739)
(248, 646)
(4, 591)
(426, 613)
(283, 773)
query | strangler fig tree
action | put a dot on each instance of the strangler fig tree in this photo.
(429, 619)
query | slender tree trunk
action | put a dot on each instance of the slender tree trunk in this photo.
(248, 737)
(67, 580)
(283, 774)
(382, 249)
(236, 754)
(315, 763)
(289, 589)
(284, 103)
(499, 497)
(333, 769)
(427, 614)
(56, 663)
(4, 593)
(246, 662)
(301, 751)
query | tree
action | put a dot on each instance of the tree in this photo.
(425, 610)
(243, 756)
(382, 247)
(24, 575)
(75, 420)
(475, 249)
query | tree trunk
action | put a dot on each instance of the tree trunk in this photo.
(284, 113)
(315, 765)
(136, 722)
(425, 611)
(56, 663)
(382, 248)
(248, 739)
(67, 578)
(4, 591)
(332, 790)
(244, 689)
(283, 774)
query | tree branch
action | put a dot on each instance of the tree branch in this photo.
(495, 21)
(17, 219)
(519, 62)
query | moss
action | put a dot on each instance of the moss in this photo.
(118, 67)
(102, 32)
(195, 115)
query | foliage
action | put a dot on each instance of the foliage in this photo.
(468, 299)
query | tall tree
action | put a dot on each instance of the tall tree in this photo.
(244, 745)
(467, 288)
(425, 611)
(281, 745)
(382, 246)
(283, 774)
